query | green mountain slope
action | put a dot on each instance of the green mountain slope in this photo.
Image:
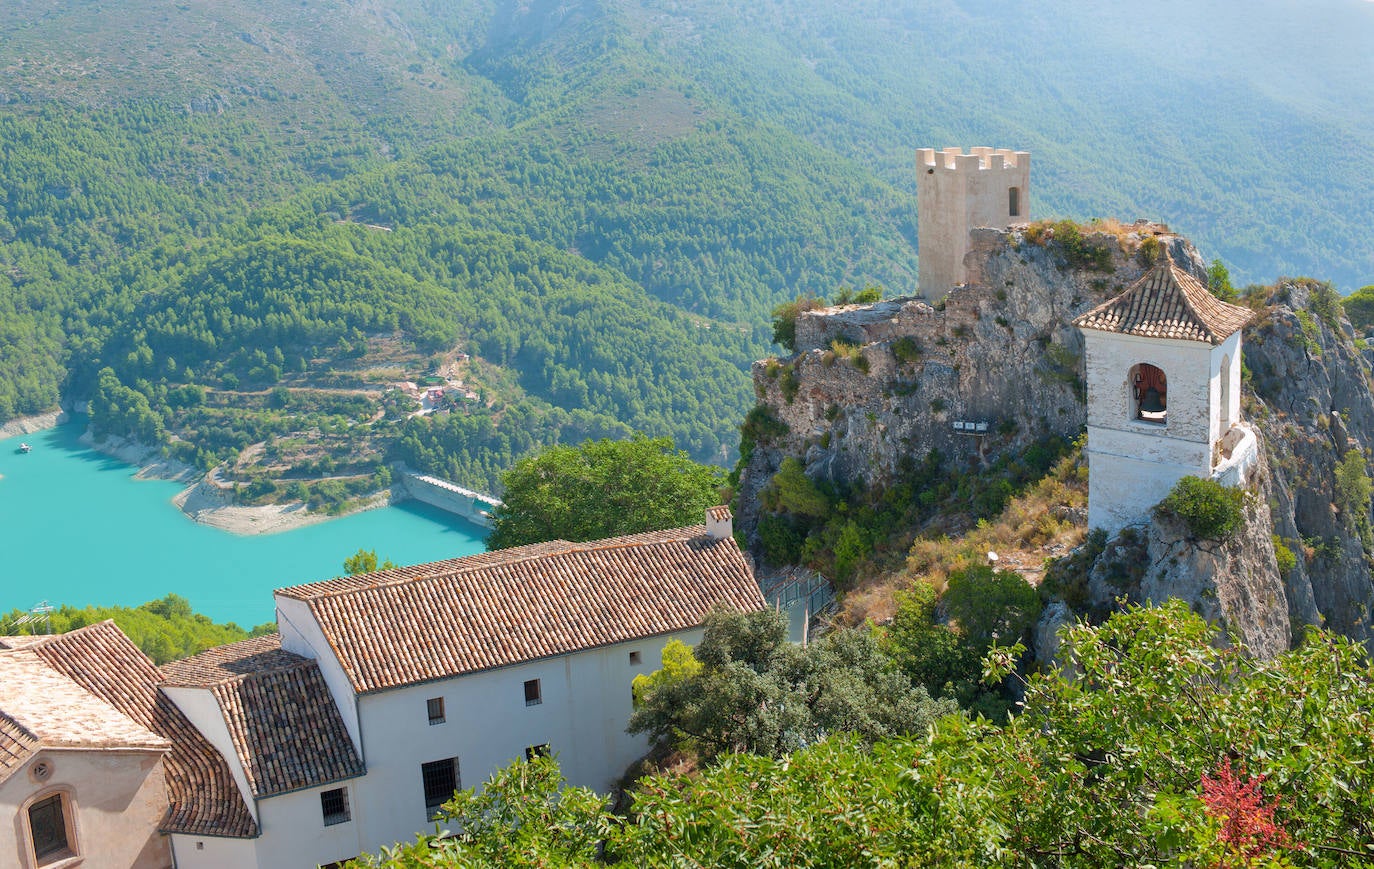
(602, 200)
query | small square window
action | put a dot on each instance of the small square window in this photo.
(533, 751)
(436, 710)
(635, 658)
(532, 695)
(440, 779)
(334, 806)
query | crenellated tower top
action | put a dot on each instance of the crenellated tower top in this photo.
(956, 192)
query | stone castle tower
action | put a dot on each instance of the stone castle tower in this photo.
(956, 192)
(1163, 375)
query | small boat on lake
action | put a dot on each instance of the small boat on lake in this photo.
(24, 448)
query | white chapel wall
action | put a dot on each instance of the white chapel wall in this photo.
(585, 705)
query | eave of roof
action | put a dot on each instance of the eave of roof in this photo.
(1167, 302)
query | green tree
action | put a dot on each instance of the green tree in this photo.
(1209, 509)
(365, 561)
(602, 489)
(1219, 281)
(1359, 307)
(757, 692)
(785, 320)
(991, 607)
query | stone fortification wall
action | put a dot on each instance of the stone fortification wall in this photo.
(1000, 351)
(472, 506)
(957, 192)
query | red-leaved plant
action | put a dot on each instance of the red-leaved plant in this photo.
(1247, 821)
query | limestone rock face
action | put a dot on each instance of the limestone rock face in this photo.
(1313, 402)
(1000, 352)
(1234, 583)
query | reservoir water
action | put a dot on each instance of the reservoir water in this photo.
(77, 528)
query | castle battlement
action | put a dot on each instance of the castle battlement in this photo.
(958, 192)
(977, 159)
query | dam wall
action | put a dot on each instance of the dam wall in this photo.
(472, 506)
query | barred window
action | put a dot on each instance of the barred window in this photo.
(436, 710)
(440, 778)
(334, 805)
(533, 696)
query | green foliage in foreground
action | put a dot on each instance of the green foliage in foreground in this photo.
(754, 691)
(1159, 749)
(165, 629)
(602, 489)
(1209, 509)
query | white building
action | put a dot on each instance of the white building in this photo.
(956, 192)
(1163, 379)
(380, 696)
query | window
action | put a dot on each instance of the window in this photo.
(48, 830)
(440, 778)
(533, 751)
(1014, 201)
(532, 695)
(436, 710)
(1149, 394)
(334, 805)
(635, 658)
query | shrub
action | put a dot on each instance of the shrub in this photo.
(790, 384)
(785, 320)
(1208, 509)
(1149, 252)
(906, 350)
(1283, 555)
(1359, 307)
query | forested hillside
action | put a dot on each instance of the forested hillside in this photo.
(258, 215)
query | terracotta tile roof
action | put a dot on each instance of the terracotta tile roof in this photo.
(201, 792)
(17, 745)
(60, 713)
(432, 621)
(286, 729)
(213, 666)
(1167, 302)
(719, 514)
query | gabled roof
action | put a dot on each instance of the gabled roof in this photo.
(286, 730)
(46, 709)
(434, 621)
(202, 796)
(1167, 302)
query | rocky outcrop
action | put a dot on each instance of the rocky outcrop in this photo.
(995, 365)
(1233, 582)
(1312, 399)
(874, 385)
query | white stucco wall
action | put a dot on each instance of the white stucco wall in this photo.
(586, 705)
(956, 192)
(293, 836)
(119, 798)
(1133, 464)
(213, 852)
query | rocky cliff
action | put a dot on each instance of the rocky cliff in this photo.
(994, 366)
(871, 385)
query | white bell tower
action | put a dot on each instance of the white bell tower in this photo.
(1163, 376)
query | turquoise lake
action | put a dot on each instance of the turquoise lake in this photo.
(77, 528)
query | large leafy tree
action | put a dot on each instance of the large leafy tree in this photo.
(602, 489)
(756, 692)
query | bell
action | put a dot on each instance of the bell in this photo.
(1153, 402)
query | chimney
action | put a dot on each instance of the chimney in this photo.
(720, 523)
